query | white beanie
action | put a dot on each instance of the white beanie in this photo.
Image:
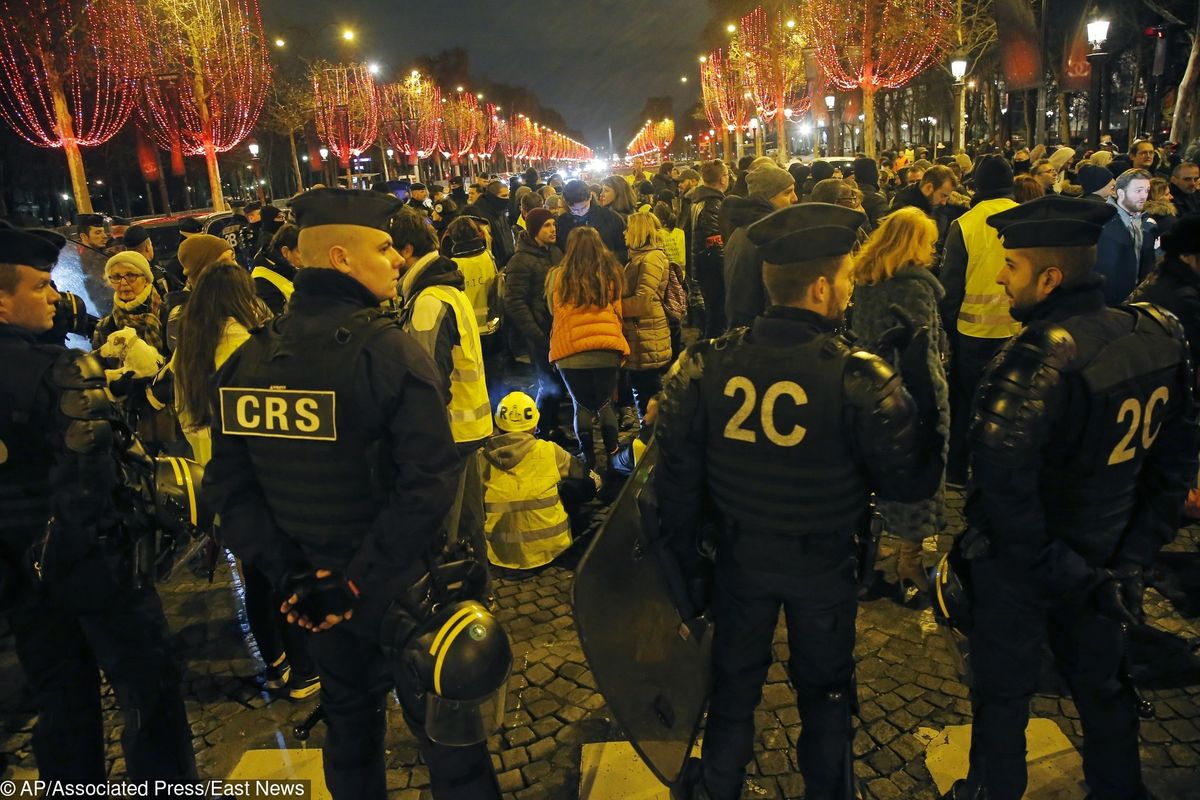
(129, 258)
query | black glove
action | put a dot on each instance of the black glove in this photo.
(1119, 595)
(317, 598)
(911, 339)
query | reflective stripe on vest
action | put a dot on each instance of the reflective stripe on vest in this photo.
(470, 408)
(984, 313)
(479, 276)
(272, 277)
(524, 523)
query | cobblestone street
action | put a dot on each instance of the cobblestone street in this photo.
(907, 675)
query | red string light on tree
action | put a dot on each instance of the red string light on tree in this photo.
(770, 49)
(876, 44)
(207, 77)
(490, 129)
(68, 69)
(411, 109)
(724, 95)
(460, 121)
(347, 105)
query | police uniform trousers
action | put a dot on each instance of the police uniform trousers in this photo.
(970, 358)
(813, 580)
(62, 650)
(355, 680)
(1011, 626)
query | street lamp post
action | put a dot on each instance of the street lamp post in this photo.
(835, 128)
(1097, 31)
(324, 151)
(258, 182)
(958, 68)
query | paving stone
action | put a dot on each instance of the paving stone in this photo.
(773, 762)
(519, 736)
(542, 749)
(539, 674)
(510, 780)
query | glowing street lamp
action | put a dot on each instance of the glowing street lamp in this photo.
(258, 181)
(1097, 33)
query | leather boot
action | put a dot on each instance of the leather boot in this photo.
(910, 569)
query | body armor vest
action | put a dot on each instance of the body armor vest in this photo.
(1126, 383)
(292, 396)
(24, 457)
(779, 459)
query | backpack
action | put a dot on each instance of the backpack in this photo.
(675, 299)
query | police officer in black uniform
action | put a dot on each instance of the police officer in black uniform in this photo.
(65, 581)
(783, 429)
(333, 469)
(1083, 441)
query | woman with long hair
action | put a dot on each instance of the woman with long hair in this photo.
(586, 341)
(644, 318)
(1160, 206)
(892, 269)
(215, 322)
(617, 194)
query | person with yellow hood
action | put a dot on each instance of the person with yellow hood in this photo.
(532, 488)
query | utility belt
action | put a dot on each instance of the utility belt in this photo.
(781, 553)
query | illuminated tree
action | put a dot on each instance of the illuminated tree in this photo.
(875, 44)
(289, 109)
(460, 123)
(411, 108)
(770, 51)
(347, 108)
(207, 77)
(724, 96)
(68, 69)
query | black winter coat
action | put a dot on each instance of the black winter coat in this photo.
(704, 216)
(607, 223)
(525, 294)
(745, 296)
(494, 209)
(1176, 287)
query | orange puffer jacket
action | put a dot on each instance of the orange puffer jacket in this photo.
(579, 329)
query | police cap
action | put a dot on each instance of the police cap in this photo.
(345, 207)
(191, 225)
(32, 247)
(806, 232)
(90, 220)
(1052, 221)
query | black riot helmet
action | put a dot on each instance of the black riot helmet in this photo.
(179, 507)
(952, 603)
(461, 658)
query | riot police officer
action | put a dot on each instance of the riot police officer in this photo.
(783, 429)
(333, 468)
(71, 601)
(1083, 442)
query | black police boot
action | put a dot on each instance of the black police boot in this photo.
(690, 785)
(961, 791)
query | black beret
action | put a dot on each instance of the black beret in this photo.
(1052, 221)
(191, 225)
(416, 187)
(31, 248)
(805, 232)
(122, 221)
(345, 207)
(90, 220)
(134, 236)
(253, 206)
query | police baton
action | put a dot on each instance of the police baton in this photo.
(867, 545)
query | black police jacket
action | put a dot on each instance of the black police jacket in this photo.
(784, 429)
(331, 444)
(1084, 440)
(1176, 287)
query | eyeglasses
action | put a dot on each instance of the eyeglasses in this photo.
(132, 277)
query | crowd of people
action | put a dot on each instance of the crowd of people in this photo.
(347, 370)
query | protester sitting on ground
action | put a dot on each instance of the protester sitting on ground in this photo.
(532, 489)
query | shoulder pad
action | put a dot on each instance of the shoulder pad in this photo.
(731, 338)
(690, 364)
(75, 369)
(1166, 320)
(1014, 407)
(862, 366)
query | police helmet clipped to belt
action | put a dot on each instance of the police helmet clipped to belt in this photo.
(952, 603)
(179, 510)
(461, 659)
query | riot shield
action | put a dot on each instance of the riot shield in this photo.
(653, 670)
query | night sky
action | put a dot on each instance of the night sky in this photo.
(594, 61)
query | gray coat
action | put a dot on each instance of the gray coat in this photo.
(916, 290)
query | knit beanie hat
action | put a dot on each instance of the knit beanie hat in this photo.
(131, 259)
(964, 162)
(1093, 178)
(993, 176)
(1061, 156)
(535, 219)
(689, 174)
(768, 180)
(199, 251)
(820, 171)
(866, 171)
(134, 236)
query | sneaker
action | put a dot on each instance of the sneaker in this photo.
(277, 674)
(300, 687)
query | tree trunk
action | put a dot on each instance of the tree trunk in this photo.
(295, 162)
(1064, 117)
(66, 132)
(725, 144)
(781, 133)
(868, 93)
(1185, 97)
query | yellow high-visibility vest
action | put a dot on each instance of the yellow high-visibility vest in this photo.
(525, 524)
(470, 409)
(479, 280)
(984, 313)
(272, 277)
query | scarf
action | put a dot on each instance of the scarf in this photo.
(142, 314)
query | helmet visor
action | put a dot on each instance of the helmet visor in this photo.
(460, 723)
